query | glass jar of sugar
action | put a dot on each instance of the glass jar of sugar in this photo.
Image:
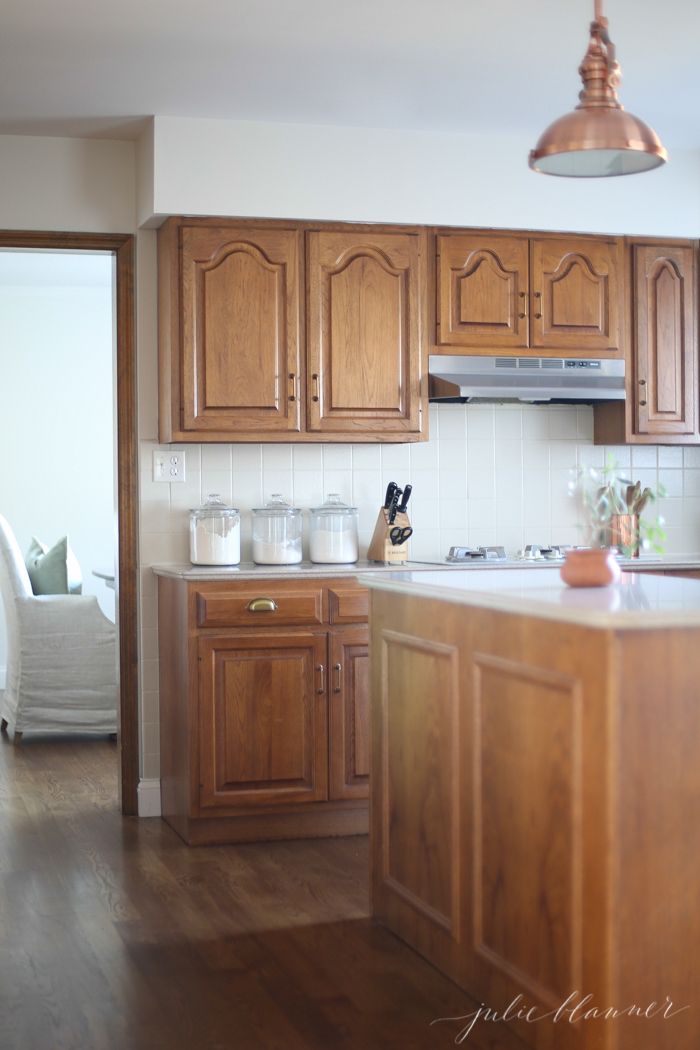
(215, 533)
(276, 533)
(333, 532)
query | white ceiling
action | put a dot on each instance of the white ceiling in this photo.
(84, 68)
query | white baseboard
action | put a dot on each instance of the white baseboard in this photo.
(149, 798)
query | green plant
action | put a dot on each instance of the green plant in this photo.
(604, 495)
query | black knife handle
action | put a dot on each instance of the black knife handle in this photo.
(406, 496)
(390, 490)
(393, 509)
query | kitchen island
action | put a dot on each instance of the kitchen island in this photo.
(536, 797)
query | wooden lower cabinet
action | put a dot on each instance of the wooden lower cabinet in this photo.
(349, 714)
(264, 728)
(262, 720)
(533, 818)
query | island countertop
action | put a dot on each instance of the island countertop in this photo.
(640, 600)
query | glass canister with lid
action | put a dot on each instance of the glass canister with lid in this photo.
(276, 533)
(333, 532)
(215, 533)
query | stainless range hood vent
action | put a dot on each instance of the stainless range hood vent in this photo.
(532, 379)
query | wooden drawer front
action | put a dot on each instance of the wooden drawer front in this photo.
(260, 606)
(348, 605)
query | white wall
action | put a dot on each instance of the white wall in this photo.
(67, 184)
(56, 350)
(221, 167)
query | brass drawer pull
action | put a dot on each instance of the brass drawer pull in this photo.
(292, 386)
(315, 396)
(322, 672)
(261, 605)
(338, 668)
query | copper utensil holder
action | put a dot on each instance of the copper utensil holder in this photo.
(624, 533)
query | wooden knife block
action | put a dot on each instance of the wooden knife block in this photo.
(381, 548)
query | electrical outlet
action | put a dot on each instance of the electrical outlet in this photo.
(169, 465)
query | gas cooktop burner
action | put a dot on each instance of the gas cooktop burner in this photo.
(549, 552)
(483, 553)
(533, 552)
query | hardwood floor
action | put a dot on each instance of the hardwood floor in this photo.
(114, 935)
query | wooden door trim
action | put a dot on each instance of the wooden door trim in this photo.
(122, 247)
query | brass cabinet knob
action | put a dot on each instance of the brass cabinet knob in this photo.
(261, 605)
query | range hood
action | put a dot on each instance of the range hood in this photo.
(532, 379)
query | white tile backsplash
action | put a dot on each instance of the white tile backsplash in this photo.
(337, 457)
(644, 457)
(489, 474)
(367, 457)
(396, 458)
(277, 458)
(216, 457)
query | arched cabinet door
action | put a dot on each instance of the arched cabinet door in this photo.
(574, 295)
(240, 350)
(365, 342)
(664, 381)
(482, 291)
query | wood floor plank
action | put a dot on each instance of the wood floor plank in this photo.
(114, 935)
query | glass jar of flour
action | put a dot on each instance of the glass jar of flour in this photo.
(276, 533)
(333, 532)
(215, 533)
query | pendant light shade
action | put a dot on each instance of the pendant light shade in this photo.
(599, 139)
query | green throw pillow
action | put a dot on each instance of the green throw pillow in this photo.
(55, 570)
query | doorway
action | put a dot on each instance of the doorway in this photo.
(120, 250)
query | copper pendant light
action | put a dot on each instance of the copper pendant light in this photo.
(599, 139)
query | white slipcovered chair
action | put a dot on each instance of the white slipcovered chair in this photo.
(61, 671)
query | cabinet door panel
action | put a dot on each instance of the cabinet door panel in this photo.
(575, 296)
(664, 330)
(262, 719)
(349, 714)
(483, 291)
(365, 335)
(240, 329)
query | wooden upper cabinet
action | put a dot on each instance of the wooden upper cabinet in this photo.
(365, 353)
(575, 295)
(482, 291)
(277, 331)
(664, 380)
(240, 360)
(504, 295)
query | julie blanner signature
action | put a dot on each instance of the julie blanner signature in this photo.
(576, 1007)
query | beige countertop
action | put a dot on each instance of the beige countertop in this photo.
(250, 571)
(640, 600)
(303, 570)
